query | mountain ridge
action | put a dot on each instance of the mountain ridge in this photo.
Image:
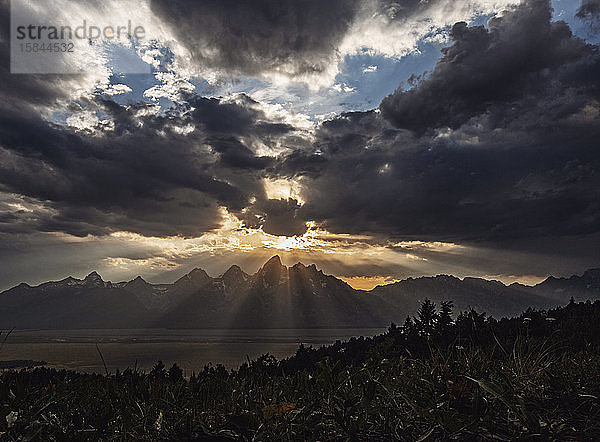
(592, 272)
(276, 296)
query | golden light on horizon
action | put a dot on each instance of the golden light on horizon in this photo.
(337, 254)
(367, 282)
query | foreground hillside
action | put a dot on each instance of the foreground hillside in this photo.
(531, 377)
(276, 296)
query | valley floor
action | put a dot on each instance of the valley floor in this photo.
(535, 376)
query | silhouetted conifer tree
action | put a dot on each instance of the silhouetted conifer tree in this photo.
(426, 318)
(443, 325)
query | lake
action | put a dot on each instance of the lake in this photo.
(190, 349)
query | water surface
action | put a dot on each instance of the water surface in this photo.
(190, 349)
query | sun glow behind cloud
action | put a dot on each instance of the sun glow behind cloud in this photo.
(338, 254)
(283, 189)
(362, 261)
(376, 51)
(232, 236)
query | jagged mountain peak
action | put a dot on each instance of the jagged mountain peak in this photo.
(138, 281)
(273, 272)
(196, 278)
(69, 280)
(275, 260)
(273, 264)
(197, 273)
(93, 279)
(234, 274)
(591, 272)
(234, 269)
(310, 270)
(301, 265)
(276, 295)
(444, 277)
(575, 285)
(438, 279)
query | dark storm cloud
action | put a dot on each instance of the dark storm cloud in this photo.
(472, 185)
(589, 9)
(235, 155)
(18, 92)
(277, 217)
(143, 177)
(290, 37)
(521, 162)
(260, 35)
(521, 54)
(498, 142)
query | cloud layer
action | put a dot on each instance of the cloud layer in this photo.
(308, 39)
(496, 145)
(521, 54)
(498, 142)
(144, 174)
(252, 37)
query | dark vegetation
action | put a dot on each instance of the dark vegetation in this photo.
(476, 378)
(20, 363)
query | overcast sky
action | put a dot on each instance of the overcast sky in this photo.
(378, 139)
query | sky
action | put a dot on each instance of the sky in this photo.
(377, 139)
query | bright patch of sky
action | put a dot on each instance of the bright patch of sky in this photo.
(566, 10)
(363, 80)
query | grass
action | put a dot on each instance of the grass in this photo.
(538, 386)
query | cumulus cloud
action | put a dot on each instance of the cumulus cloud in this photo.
(394, 28)
(250, 37)
(19, 91)
(522, 54)
(306, 40)
(276, 216)
(497, 143)
(589, 9)
(143, 174)
(115, 167)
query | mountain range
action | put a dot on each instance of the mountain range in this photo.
(274, 297)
